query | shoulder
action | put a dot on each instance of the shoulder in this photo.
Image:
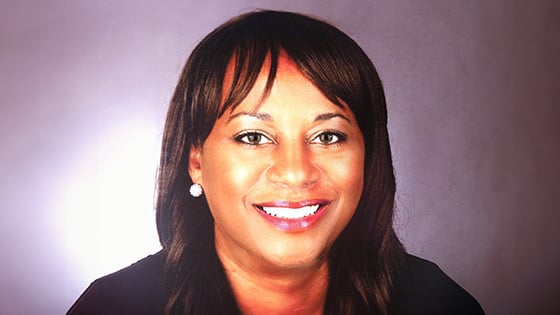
(137, 289)
(425, 289)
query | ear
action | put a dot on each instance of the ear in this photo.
(195, 164)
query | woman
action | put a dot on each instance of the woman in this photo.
(279, 127)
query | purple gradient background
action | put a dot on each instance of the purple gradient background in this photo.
(472, 88)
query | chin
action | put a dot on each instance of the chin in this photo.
(295, 256)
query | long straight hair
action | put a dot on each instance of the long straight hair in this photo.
(365, 259)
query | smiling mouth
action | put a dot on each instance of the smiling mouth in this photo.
(291, 213)
(292, 210)
(293, 216)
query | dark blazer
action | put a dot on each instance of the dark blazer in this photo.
(423, 289)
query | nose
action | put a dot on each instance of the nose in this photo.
(293, 166)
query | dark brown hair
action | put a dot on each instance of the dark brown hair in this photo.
(365, 259)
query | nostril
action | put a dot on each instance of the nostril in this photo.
(292, 171)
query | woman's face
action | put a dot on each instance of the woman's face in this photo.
(283, 178)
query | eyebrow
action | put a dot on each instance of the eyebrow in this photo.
(268, 117)
(260, 116)
(327, 116)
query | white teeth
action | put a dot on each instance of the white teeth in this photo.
(291, 213)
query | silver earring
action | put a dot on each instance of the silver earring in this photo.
(195, 190)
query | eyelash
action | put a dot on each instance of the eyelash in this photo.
(340, 137)
(248, 133)
(242, 138)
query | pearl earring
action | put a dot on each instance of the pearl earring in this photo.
(195, 190)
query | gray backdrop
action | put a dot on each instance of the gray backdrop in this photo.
(472, 88)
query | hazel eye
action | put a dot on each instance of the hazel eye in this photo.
(252, 138)
(329, 137)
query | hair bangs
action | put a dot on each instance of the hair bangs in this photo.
(246, 65)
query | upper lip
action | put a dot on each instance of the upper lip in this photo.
(293, 204)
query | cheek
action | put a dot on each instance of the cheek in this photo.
(227, 176)
(347, 172)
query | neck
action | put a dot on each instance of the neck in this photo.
(268, 291)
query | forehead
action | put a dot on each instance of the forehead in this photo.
(286, 82)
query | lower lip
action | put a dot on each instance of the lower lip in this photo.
(294, 225)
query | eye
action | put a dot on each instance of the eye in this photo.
(329, 137)
(252, 138)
